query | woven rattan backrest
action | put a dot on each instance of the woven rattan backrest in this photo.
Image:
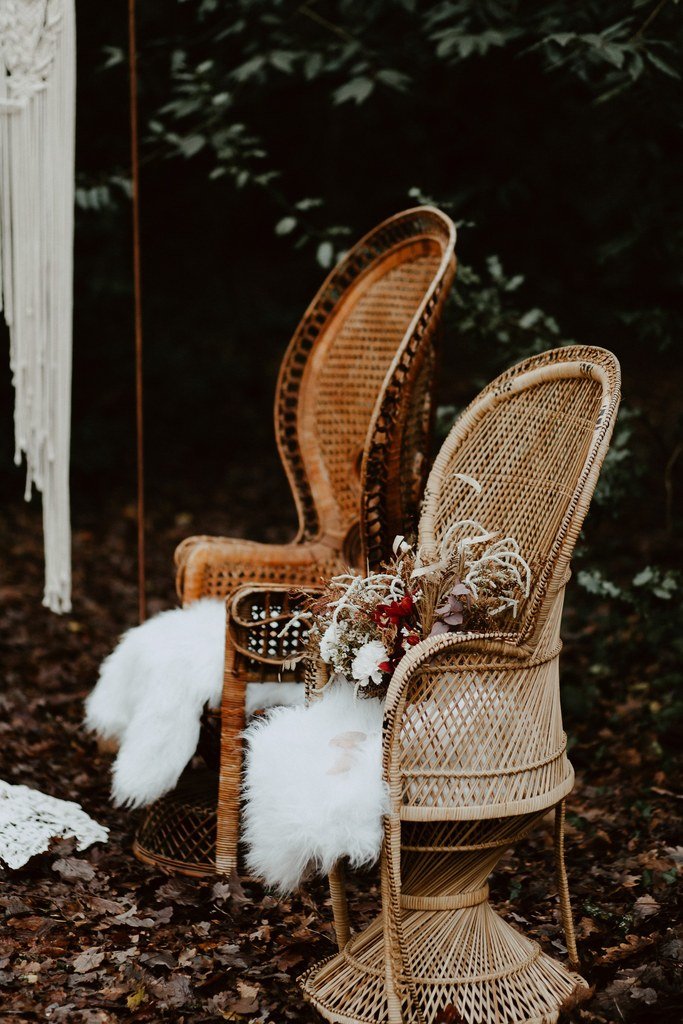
(369, 329)
(534, 439)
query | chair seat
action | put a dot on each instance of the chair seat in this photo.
(313, 787)
(178, 832)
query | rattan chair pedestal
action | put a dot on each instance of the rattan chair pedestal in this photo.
(178, 834)
(463, 954)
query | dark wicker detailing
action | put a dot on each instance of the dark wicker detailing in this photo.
(178, 833)
(352, 413)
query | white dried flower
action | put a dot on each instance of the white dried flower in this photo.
(366, 664)
(330, 641)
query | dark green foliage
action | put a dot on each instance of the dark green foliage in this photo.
(276, 132)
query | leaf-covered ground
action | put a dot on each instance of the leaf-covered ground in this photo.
(98, 937)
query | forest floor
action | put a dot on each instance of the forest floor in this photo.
(97, 937)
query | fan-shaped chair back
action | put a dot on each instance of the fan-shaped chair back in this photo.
(368, 333)
(534, 439)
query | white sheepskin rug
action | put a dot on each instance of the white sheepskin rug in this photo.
(313, 787)
(151, 692)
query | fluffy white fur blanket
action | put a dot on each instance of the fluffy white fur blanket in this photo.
(151, 692)
(313, 787)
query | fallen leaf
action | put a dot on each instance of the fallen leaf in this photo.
(220, 892)
(102, 906)
(248, 1001)
(137, 999)
(676, 854)
(159, 958)
(173, 992)
(632, 944)
(74, 870)
(14, 906)
(673, 949)
(630, 881)
(646, 906)
(586, 927)
(645, 995)
(88, 960)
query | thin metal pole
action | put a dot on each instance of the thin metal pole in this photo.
(137, 290)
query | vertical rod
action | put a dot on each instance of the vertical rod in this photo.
(340, 908)
(137, 290)
(563, 887)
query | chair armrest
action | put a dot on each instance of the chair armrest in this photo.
(267, 629)
(217, 566)
(255, 649)
(473, 729)
(421, 653)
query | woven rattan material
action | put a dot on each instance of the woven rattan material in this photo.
(358, 370)
(474, 750)
(504, 748)
(353, 414)
(179, 832)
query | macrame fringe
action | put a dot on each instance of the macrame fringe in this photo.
(37, 137)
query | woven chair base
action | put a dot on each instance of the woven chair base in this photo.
(178, 833)
(470, 959)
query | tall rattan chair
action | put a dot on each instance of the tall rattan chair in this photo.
(385, 296)
(474, 752)
(353, 414)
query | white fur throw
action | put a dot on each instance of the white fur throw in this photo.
(313, 787)
(151, 692)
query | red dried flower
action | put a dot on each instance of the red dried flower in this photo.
(393, 612)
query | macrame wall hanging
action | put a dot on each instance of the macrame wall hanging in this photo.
(37, 133)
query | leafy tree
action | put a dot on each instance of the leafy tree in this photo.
(276, 132)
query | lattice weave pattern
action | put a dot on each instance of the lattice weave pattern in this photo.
(358, 371)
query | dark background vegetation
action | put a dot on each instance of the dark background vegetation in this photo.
(274, 134)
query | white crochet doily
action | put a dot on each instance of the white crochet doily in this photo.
(29, 819)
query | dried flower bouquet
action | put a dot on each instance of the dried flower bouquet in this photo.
(361, 626)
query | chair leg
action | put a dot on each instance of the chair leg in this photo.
(563, 886)
(230, 778)
(340, 907)
(392, 952)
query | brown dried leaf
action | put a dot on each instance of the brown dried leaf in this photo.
(646, 906)
(14, 906)
(248, 1001)
(644, 995)
(88, 960)
(175, 991)
(102, 906)
(220, 892)
(632, 944)
(586, 927)
(72, 869)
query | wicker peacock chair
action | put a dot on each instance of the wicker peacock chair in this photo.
(353, 414)
(474, 753)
